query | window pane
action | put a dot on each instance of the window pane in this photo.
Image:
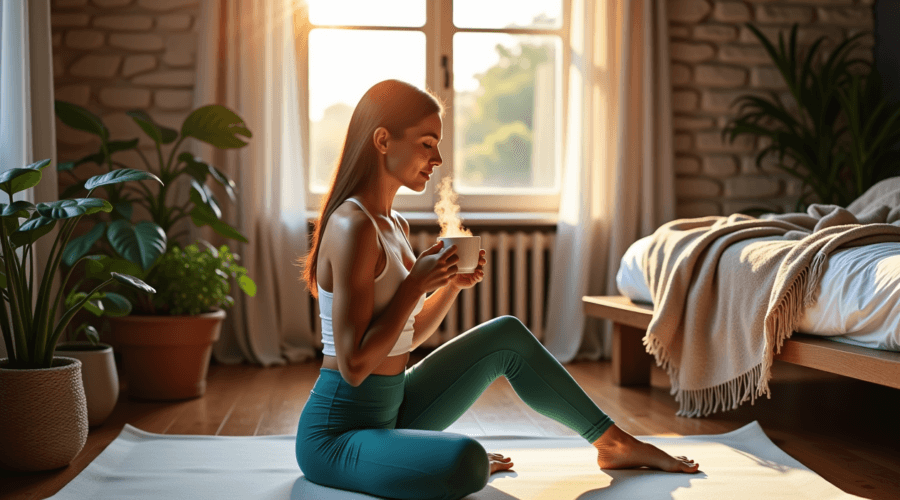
(507, 13)
(343, 64)
(506, 111)
(407, 13)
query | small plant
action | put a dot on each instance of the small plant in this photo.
(29, 309)
(191, 281)
(108, 304)
(837, 133)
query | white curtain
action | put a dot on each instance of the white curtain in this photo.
(27, 126)
(618, 182)
(247, 63)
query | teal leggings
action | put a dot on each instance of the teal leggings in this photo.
(382, 437)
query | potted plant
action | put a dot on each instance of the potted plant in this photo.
(137, 247)
(98, 366)
(166, 362)
(837, 132)
(43, 412)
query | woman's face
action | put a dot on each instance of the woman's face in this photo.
(411, 159)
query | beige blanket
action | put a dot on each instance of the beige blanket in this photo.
(729, 290)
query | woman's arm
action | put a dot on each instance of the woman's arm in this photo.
(433, 312)
(362, 342)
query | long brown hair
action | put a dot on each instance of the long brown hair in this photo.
(391, 104)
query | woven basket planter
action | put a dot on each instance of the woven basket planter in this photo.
(43, 415)
(166, 357)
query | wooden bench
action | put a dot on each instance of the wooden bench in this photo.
(631, 363)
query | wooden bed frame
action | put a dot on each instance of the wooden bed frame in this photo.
(631, 363)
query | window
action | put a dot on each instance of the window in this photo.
(496, 64)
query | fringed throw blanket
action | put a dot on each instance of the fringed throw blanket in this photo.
(729, 290)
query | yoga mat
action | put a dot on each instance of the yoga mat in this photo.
(742, 464)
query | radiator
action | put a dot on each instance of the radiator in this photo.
(516, 283)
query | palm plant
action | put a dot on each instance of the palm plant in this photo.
(28, 312)
(836, 132)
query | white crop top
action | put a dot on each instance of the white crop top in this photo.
(386, 285)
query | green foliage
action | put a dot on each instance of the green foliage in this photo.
(836, 133)
(144, 242)
(28, 313)
(498, 133)
(191, 281)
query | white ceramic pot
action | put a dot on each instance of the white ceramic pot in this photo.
(98, 371)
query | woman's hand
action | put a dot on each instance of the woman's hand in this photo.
(434, 268)
(499, 463)
(463, 281)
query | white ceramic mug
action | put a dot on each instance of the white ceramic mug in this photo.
(468, 249)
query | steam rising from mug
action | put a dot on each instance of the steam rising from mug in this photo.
(448, 211)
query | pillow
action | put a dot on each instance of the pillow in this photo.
(883, 193)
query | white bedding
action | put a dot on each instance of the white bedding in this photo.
(859, 301)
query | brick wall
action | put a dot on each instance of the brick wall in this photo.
(715, 58)
(114, 55)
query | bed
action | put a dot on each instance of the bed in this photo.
(852, 328)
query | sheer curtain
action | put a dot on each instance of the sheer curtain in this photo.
(247, 62)
(618, 182)
(27, 126)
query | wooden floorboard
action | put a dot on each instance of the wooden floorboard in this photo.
(846, 430)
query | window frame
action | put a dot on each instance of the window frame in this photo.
(439, 32)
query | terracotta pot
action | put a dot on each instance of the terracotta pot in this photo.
(98, 372)
(166, 357)
(43, 415)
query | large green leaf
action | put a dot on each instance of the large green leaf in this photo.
(133, 283)
(200, 170)
(201, 215)
(13, 212)
(115, 305)
(201, 195)
(20, 209)
(119, 175)
(19, 179)
(157, 132)
(66, 209)
(216, 125)
(81, 119)
(39, 165)
(79, 246)
(142, 243)
(32, 230)
(195, 168)
(225, 181)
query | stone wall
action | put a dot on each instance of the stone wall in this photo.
(115, 55)
(716, 58)
(111, 56)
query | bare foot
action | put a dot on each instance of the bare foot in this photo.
(616, 449)
(499, 463)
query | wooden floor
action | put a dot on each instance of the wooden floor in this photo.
(848, 431)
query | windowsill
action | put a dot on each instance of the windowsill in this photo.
(477, 218)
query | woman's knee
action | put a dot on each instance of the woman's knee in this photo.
(510, 332)
(468, 468)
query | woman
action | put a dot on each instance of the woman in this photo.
(371, 425)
